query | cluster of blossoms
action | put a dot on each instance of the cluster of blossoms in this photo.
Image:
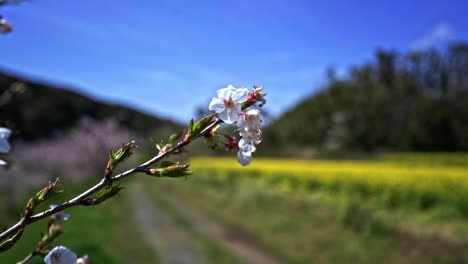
(4, 144)
(230, 107)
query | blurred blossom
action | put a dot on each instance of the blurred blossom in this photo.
(258, 95)
(5, 26)
(4, 135)
(244, 157)
(83, 260)
(228, 103)
(249, 129)
(74, 156)
(3, 163)
(250, 121)
(60, 255)
(60, 216)
(231, 142)
(249, 140)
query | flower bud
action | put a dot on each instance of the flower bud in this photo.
(173, 171)
(231, 142)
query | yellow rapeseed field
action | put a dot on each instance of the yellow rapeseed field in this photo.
(422, 184)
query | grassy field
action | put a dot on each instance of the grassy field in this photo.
(337, 211)
(406, 208)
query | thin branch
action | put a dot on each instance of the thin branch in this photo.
(26, 259)
(23, 222)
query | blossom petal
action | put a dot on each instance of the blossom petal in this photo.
(242, 123)
(216, 105)
(228, 116)
(244, 158)
(4, 135)
(253, 135)
(250, 121)
(224, 117)
(5, 132)
(3, 163)
(4, 146)
(232, 114)
(246, 145)
(225, 93)
(240, 95)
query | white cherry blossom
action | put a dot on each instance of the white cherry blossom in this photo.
(59, 216)
(252, 137)
(228, 103)
(244, 158)
(60, 255)
(247, 145)
(250, 120)
(4, 135)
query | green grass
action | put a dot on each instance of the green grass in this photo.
(317, 227)
(106, 232)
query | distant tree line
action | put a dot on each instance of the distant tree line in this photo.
(411, 102)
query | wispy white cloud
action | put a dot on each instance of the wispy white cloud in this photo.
(439, 34)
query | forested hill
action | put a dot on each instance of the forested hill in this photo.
(37, 109)
(398, 102)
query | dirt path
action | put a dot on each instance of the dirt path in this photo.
(239, 243)
(172, 245)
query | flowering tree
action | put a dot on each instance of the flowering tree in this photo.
(232, 106)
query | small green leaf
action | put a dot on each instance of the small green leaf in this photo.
(117, 157)
(195, 128)
(45, 193)
(104, 194)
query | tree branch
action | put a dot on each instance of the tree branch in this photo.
(24, 222)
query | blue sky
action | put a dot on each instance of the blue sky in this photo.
(168, 57)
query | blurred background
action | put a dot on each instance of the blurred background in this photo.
(365, 150)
